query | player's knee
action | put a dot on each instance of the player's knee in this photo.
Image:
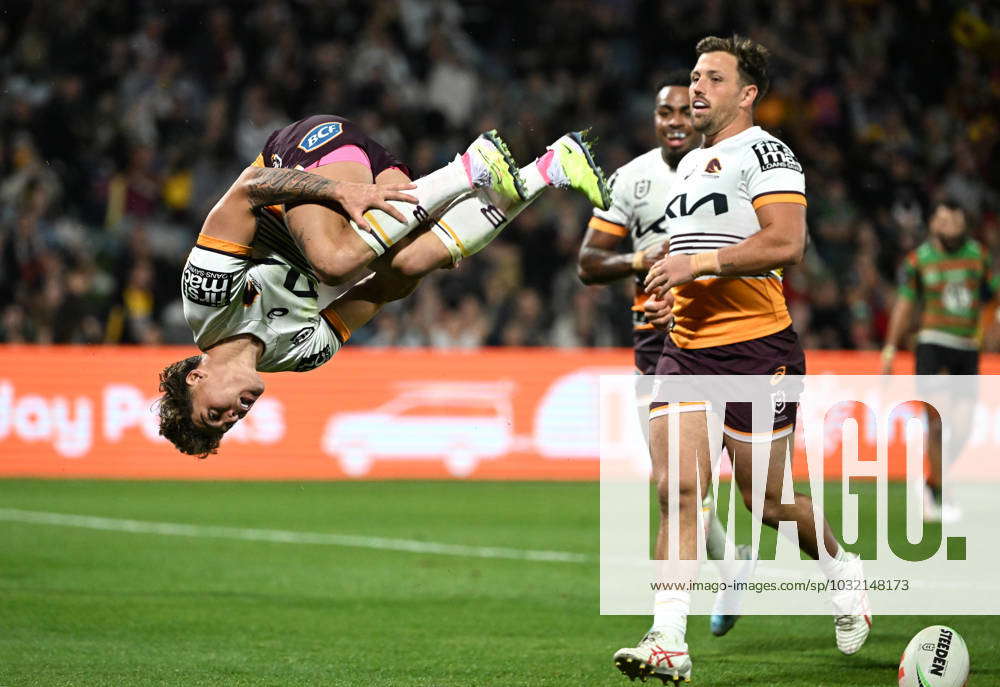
(336, 266)
(686, 493)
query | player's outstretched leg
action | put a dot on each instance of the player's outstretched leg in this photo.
(659, 655)
(570, 164)
(475, 220)
(486, 165)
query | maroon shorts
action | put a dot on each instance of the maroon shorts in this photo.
(775, 355)
(306, 142)
(648, 346)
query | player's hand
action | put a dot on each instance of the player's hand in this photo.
(660, 311)
(652, 255)
(668, 272)
(356, 199)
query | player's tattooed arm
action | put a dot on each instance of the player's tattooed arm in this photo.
(268, 186)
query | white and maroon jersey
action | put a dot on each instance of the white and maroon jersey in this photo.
(231, 289)
(639, 191)
(712, 205)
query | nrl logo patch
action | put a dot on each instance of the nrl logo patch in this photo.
(207, 287)
(320, 135)
(642, 188)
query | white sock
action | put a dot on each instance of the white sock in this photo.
(434, 192)
(715, 536)
(833, 566)
(471, 223)
(535, 175)
(670, 612)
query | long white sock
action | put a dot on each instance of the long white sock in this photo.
(434, 192)
(833, 566)
(715, 536)
(473, 221)
(670, 612)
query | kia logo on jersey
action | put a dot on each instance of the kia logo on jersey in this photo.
(319, 135)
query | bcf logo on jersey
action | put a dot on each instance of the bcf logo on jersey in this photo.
(320, 135)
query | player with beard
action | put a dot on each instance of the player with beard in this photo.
(949, 278)
(735, 217)
(640, 190)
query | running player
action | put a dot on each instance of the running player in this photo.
(735, 217)
(640, 191)
(949, 278)
(249, 285)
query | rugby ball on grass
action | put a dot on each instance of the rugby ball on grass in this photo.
(935, 657)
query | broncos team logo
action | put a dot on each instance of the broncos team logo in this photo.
(320, 135)
(713, 166)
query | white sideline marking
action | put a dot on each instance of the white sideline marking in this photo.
(286, 536)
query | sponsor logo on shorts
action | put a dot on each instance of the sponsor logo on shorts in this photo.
(320, 135)
(774, 155)
(777, 375)
(207, 287)
(303, 335)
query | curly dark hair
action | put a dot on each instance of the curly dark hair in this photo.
(751, 59)
(175, 412)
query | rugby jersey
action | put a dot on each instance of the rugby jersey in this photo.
(952, 287)
(229, 289)
(638, 195)
(712, 205)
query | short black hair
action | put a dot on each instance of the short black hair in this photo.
(175, 412)
(751, 59)
(951, 202)
(676, 77)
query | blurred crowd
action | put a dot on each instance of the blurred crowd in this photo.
(122, 122)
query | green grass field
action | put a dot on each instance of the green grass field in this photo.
(101, 607)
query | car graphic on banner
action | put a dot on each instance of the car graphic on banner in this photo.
(461, 423)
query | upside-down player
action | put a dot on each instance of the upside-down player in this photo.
(639, 193)
(249, 285)
(735, 217)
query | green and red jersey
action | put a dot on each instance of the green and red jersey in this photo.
(952, 288)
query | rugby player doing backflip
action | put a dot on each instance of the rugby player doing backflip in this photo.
(639, 191)
(249, 287)
(734, 217)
